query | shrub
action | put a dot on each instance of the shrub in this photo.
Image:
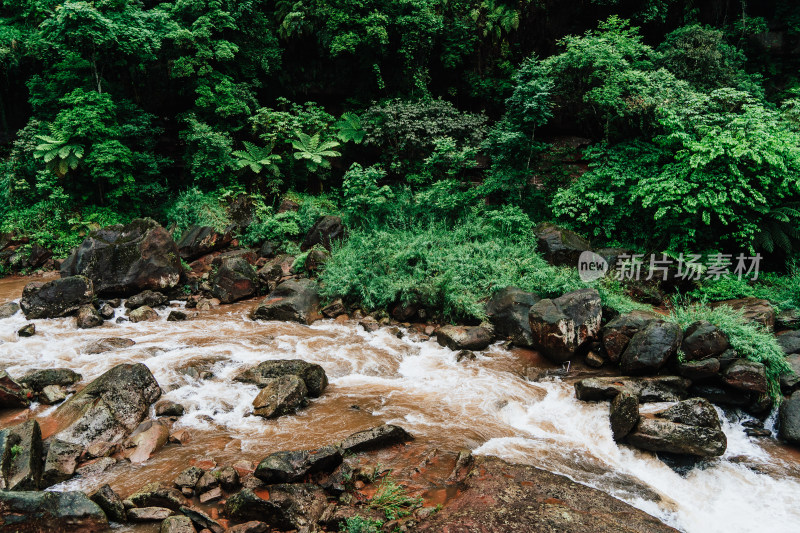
(393, 500)
(194, 207)
(782, 290)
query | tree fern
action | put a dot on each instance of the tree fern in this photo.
(781, 229)
(349, 126)
(314, 151)
(58, 153)
(257, 158)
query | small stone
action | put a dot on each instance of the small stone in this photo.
(28, 330)
(228, 478)
(149, 514)
(465, 355)
(176, 316)
(143, 314)
(95, 466)
(594, 360)
(169, 408)
(8, 310)
(211, 495)
(88, 317)
(624, 414)
(207, 481)
(106, 311)
(181, 436)
(52, 394)
(177, 524)
(189, 477)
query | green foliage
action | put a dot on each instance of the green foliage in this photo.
(193, 207)
(364, 202)
(783, 291)
(350, 129)
(393, 500)
(15, 451)
(750, 340)
(58, 153)
(314, 151)
(359, 524)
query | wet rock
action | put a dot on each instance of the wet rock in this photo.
(145, 440)
(721, 395)
(181, 437)
(790, 342)
(61, 462)
(594, 360)
(313, 375)
(52, 394)
(565, 325)
(111, 504)
(268, 249)
(325, 231)
(127, 259)
(232, 279)
(228, 478)
(699, 370)
(618, 332)
(177, 524)
(62, 512)
(754, 309)
(12, 394)
(404, 312)
(281, 396)
(253, 526)
(788, 319)
(202, 520)
(211, 495)
(88, 317)
(289, 506)
(508, 310)
(694, 412)
(370, 326)
(658, 435)
(292, 300)
(651, 348)
(169, 408)
(374, 438)
(702, 339)
(28, 330)
(274, 270)
(747, 376)
(107, 344)
(148, 298)
(291, 466)
(143, 314)
(149, 514)
(465, 355)
(158, 495)
(207, 481)
(559, 246)
(791, 381)
(646, 389)
(109, 408)
(206, 304)
(789, 418)
(198, 241)
(57, 298)
(623, 414)
(189, 477)
(176, 316)
(95, 466)
(7, 310)
(340, 479)
(334, 309)
(21, 451)
(106, 311)
(464, 337)
(314, 262)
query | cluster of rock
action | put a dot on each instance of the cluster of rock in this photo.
(286, 385)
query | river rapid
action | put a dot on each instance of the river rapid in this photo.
(486, 405)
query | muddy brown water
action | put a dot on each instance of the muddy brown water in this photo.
(487, 405)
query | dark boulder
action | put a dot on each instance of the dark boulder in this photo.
(280, 396)
(21, 454)
(374, 438)
(289, 507)
(618, 332)
(651, 348)
(702, 340)
(39, 379)
(189, 477)
(721, 395)
(148, 298)
(62, 512)
(293, 300)
(464, 337)
(699, 370)
(106, 311)
(508, 310)
(623, 414)
(694, 412)
(789, 419)
(312, 374)
(753, 309)
(268, 249)
(560, 246)
(127, 259)
(292, 466)
(562, 327)
(88, 317)
(57, 298)
(788, 319)
(790, 381)
(169, 408)
(646, 389)
(28, 330)
(158, 495)
(202, 520)
(176, 316)
(110, 503)
(9, 309)
(747, 376)
(659, 435)
(790, 342)
(276, 269)
(232, 279)
(29, 258)
(201, 240)
(12, 395)
(325, 231)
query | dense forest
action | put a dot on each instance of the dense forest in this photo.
(439, 129)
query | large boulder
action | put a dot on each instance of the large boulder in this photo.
(201, 240)
(281, 396)
(508, 310)
(232, 279)
(565, 325)
(691, 427)
(312, 374)
(109, 408)
(57, 298)
(325, 231)
(560, 246)
(753, 309)
(618, 332)
(694, 411)
(464, 337)
(292, 466)
(651, 348)
(64, 512)
(289, 507)
(789, 427)
(790, 381)
(646, 389)
(127, 259)
(702, 340)
(21, 457)
(747, 376)
(294, 300)
(11, 393)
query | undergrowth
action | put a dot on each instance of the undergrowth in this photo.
(393, 500)
(359, 524)
(782, 290)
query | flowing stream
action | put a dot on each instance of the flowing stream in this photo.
(485, 405)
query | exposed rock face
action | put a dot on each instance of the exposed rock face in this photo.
(57, 298)
(291, 466)
(281, 396)
(374, 438)
(646, 389)
(565, 325)
(755, 310)
(560, 246)
(464, 337)
(690, 428)
(624, 414)
(702, 340)
(201, 240)
(88, 317)
(747, 376)
(325, 231)
(110, 407)
(513, 498)
(21, 455)
(651, 348)
(148, 298)
(11, 393)
(293, 300)
(65, 512)
(312, 374)
(127, 259)
(232, 279)
(790, 419)
(618, 333)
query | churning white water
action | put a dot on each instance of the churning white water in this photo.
(484, 405)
